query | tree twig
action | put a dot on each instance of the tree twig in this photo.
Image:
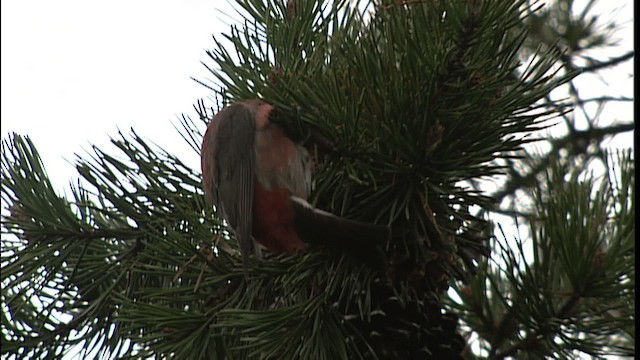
(589, 135)
(608, 63)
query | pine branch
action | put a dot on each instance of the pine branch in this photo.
(580, 250)
(609, 63)
(578, 140)
(533, 341)
(602, 99)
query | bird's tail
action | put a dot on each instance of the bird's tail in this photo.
(364, 241)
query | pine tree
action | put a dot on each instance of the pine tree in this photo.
(405, 106)
(564, 287)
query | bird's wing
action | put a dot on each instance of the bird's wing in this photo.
(235, 172)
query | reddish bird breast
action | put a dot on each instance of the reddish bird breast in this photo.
(273, 220)
(281, 171)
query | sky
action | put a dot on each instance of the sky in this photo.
(74, 72)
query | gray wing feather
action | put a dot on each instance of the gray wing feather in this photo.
(235, 173)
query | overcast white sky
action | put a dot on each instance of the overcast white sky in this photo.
(75, 71)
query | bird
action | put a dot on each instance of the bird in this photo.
(259, 180)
